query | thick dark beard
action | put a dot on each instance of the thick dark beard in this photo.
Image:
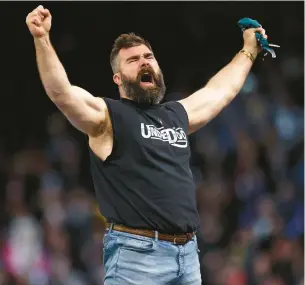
(145, 96)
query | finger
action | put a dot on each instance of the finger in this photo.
(34, 14)
(41, 16)
(38, 10)
(36, 21)
(46, 13)
(260, 29)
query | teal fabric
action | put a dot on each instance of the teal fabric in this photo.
(247, 23)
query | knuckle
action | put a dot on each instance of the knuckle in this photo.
(29, 19)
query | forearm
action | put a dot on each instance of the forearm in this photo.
(232, 77)
(206, 103)
(52, 72)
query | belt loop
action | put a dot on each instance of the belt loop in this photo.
(156, 235)
(111, 227)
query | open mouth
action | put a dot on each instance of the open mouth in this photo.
(146, 78)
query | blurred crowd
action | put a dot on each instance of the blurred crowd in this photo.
(248, 164)
(251, 191)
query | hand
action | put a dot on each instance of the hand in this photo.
(250, 42)
(39, 22)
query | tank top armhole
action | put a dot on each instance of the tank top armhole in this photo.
(180, 112)
(183, 110)
(109, 157)
(114, 146)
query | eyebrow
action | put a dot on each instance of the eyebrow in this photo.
(147, 54)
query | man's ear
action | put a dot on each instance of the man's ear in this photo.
(117, 79)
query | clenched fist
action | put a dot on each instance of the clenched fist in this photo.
(39, 22)
(250, 42)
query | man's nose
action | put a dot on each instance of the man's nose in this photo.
(144, 62)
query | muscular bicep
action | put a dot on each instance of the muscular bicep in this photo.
(84, 111)
(203, 105)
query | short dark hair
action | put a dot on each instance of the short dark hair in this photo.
(125, 41)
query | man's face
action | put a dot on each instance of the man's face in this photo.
(140, 76)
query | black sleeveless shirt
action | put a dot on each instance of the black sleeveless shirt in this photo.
(146, 181)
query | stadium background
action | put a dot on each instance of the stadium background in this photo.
(248, 162)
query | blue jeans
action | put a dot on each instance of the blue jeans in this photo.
(136, 260)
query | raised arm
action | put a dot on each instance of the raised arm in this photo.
(206, 103)
(85, 112)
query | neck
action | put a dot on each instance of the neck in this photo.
(124, 96)
(122, 93)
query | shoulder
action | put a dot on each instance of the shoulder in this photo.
(176, 108)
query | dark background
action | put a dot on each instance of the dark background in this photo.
(192, 41)
(251, 153)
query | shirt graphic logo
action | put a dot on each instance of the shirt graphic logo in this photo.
(174, 136)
